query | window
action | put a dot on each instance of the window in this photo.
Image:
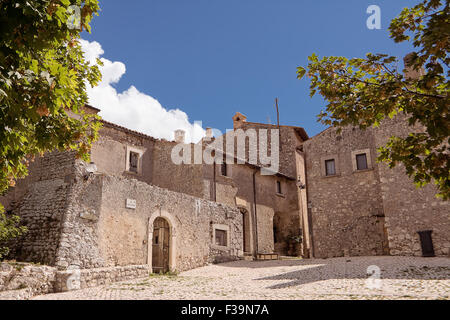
(221, 237)
(134, 161)
(279, 187)
(361, 161)
(223, 169)
(330, 168)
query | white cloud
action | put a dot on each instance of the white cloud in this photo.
(131, 108)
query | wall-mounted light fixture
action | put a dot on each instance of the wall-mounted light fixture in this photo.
(300, 184)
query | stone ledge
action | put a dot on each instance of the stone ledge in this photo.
(19, 280)
(76, 279)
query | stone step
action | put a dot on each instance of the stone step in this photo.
(267, 256)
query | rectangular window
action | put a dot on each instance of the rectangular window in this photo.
(279, 187)
(134, 161)
(361, 161)
(330, 168)
(223, 169)
(221, 237)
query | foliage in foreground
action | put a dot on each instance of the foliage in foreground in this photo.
(363, 92)
(43, 78)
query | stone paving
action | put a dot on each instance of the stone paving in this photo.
(336, 278)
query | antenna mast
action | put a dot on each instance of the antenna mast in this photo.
(278, 113)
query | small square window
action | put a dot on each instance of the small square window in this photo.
(221, 237)
(134, 162)
(330, 167)
(361, 161)
(279, 190)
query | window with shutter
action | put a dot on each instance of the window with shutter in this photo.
(279, 187)
(134, 161)
(330, 168)
(221, 237)
(361, 161)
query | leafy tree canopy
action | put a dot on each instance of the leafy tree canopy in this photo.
(363, 92)
(43, 78)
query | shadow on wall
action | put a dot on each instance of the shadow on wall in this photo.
(316, 270)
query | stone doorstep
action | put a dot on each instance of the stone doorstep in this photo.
(69, 280)
(267, 256)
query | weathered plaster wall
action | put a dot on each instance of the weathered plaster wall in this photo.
(109, 153)
(124, 232)
(79, 220)
(240, 184)
(185, 178)
(289, 141)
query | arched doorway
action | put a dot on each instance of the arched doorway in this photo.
(160, 245)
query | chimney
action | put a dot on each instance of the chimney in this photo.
(179, 136)
(209, 134)
(238, 120)
(409, 71)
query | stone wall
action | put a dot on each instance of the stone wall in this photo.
(409, 209)
(23, 281)
(109, 152)
(78, 245)
(239, 185)
(41, 200)
(184, 178)
(374, 211)
(69, 280)
(289, 141)
(124, 233)
(198, 180)
(77, 219)
(346, 209)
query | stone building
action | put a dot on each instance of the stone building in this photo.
(134, 206)
(358, 206)
(277, 209)
(113, 213)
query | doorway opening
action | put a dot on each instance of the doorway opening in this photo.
(160, 245)
(245, 231)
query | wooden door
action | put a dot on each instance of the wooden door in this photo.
(160, 246)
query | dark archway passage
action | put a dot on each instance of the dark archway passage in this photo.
(160, 245)
(245, 230)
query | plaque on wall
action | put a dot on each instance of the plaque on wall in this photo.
(131, 204)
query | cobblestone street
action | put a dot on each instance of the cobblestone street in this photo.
(337, 278)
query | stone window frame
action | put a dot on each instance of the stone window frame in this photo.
(323, 170)
(368, 158)
(222, 227)
(127, 158)
(280, 194)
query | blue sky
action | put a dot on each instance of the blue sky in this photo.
(211, 58)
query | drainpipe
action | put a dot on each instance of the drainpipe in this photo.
(255, 215)
(214, 182)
